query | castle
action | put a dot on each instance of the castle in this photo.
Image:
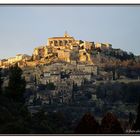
(65, 48)
(68, 49)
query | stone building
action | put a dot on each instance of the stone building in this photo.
(49, 77)
(66, 48)
(1, 62)
(83, 56)
(22, 57)
(18, 57)
(11, 60)
(87, 68)
(64, 55)
(4, 63)
(79, 77)
(103, 46)
(54, 67)
(41, 52)
(59, 42)
(87, 45)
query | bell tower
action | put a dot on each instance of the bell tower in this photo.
(66, 34)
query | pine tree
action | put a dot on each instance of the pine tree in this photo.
(111, 125)
(16, 85)
(137, 123)
(1, 82)
(88, 125)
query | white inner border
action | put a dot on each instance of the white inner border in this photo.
(70, 1)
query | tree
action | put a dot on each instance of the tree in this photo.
(1, 82)
(14, 118)
(88, 125)
(16, 85)
(137, 123)
(39, 123)
(14, 115)
(111, 125)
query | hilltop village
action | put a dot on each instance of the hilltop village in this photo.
(60, 55)
(64, 49)
(63, 62)
(69, 71)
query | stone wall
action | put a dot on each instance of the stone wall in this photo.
(64, 55)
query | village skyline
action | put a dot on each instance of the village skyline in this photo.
(24, 28)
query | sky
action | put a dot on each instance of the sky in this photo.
(22, 28)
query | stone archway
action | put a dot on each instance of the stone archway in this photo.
(61, 43)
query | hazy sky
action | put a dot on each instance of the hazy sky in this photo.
(22, 28)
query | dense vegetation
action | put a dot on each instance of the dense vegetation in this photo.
(15, 117)
(1, 82)
(119, 54)
(114, 92)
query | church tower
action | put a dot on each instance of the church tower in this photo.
(66, 34)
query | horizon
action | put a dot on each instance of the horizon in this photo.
(24, 28)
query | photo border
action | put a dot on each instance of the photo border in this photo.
(68, 4)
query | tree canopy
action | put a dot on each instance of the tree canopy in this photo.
(1, 82)
(87, 125)
(17, 84)
(111, 125)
